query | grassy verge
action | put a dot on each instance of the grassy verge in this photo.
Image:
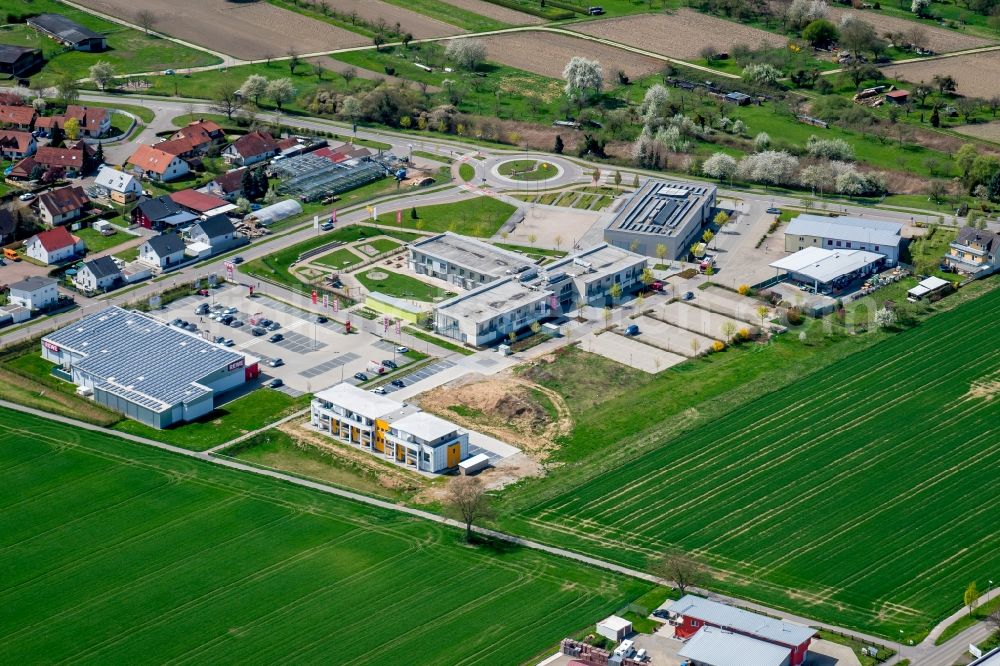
(434, 340)
(961, 624)
(247, 413)
(467, 172)
(884, 652)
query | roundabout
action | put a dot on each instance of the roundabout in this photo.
(528, 170)
(510, 172)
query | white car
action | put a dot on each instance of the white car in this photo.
(27, 196)
(378, 390)
(402, 350)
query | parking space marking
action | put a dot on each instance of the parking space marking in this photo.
(422, 373)
(326, 366)
(297, 343)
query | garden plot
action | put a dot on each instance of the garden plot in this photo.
(672, 338)
(977, 74)
(696, 320)
(939, 40)
(240, 29)
(631, 352)
(689, 32)
(547, 54)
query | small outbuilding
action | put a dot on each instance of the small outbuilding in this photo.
(927, 287)
(897, 97)
(268, 215)
(614, 628)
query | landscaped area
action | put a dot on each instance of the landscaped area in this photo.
(401, 286)
(118, 551)
(480, 216)
(528, 170)
(827, 496)
(339, 259)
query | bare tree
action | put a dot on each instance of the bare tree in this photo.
(679, 568)
(994, 620)
(467, 501)
(317, 69)
(349, 75)
(146, 19)
(293, 60)
(227, 101)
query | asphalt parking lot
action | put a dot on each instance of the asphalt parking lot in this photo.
(422, 373)
(315, 356)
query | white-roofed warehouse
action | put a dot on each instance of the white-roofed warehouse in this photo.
(139, 366)
(820, 267)
(717, 647)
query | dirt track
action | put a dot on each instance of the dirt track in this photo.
(243, 30)
(547, 54)
(496, 12)
(977, 75)
(688, 30)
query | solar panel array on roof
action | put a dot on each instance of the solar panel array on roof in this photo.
(660, 207)
(142, 359)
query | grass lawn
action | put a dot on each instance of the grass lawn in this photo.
(141, 112)
(467, 172)
(528, 170)
(96, 242)
(250, 412)
(437, 157)
(401, 286)
(128, 254)
(825, 492)
(478, 216)
(341, 258)
(383, 245)
(26, 379)
(119, 553)
(279, 450)
(275, 266)
(128, 50)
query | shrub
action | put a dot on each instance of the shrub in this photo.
(718, 346)
(743, 289)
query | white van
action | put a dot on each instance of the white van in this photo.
(375, 367)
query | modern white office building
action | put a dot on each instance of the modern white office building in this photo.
(464, 262)
(663, 213)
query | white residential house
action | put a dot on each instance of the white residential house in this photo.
(163, 251)
(217, 232)
(53, 246)
(62, 205)
(122, 187)
(155, 164)
(34, 293)
(99, 274)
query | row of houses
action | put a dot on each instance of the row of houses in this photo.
(506, 293)
(93, 121)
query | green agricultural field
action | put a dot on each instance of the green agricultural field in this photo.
(480, 216)
(862, 494)
(128, 50)
(116, 552)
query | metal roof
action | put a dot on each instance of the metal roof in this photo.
(730, 617)
(662, 208)
(57, 24)
(367, 404)
(142, 359)
(822, 265)
(927, 286)
(854, 229)
(472, 254)
(425, 427)
(724, 648)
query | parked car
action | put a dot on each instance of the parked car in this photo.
(379, 390)
(390, 364)
(191, 327)
(177, 322)
(774, 211)
(360, 376)
(230, 311)
(277, 337)
(264, 322)
(398, 383)
(276, 382)
(229, 342)
(27, 196)
(273, 326)
(218, 339)
(257, 331)
(236, 323)
(275, 363)
(321, 319)
(402, 350)
(688, 295)
(202, 309)
(237, 260)
(662, 613)
(632, 329)
(227, 319)
(326, 226)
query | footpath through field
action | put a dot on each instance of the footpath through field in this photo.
(925, 653)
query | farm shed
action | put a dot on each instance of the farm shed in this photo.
(850, 233)
(717, 647)
(931, 285)
(694, 613)
(820, 267)
(897, 96)
(268, 215)
(614, 628)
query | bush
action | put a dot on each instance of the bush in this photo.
(794, 317)
(743, 289)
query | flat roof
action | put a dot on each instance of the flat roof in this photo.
(598, 261)
(615, 623)
(662, 208)
(822, 265)
(754, 624)
(368, 404)
(928, 285)
(141, 358)
(491, 300)
(725, 648)
(425, 426)
(855, 229)
(472, 254)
